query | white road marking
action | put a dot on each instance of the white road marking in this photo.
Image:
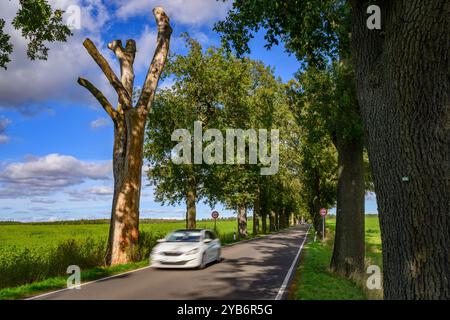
(294, 263)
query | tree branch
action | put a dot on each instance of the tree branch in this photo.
(126, 58)
(124, 97)
(100, 97)
(158, 61)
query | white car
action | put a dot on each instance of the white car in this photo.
(193, 248)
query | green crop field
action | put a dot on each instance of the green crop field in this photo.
(35, 252)
(43, 235)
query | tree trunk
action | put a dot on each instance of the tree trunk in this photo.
(242, 221)
(281, 219)
(316, 217)
(129, 128)
(263, 215)
(271, 221)
(277, 220)
(256, 215)
(403, 89)
(127, 170)
(349, 243)
(191, 211)
(263, 223)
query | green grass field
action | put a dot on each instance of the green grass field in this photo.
(44, 235)
(315, 281)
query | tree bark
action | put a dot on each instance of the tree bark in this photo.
(349, 244)
(316, 217)
(282, 219)
(129, 128)
(403, 89)
(242, 221)
(256, 215)
(277, 220)
(263, 204)
(124, 228)
(271, 221)
(191, 211)
(263, 222)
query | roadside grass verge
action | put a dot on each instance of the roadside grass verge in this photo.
(55, 283)
(315, 281)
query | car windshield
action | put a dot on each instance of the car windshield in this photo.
(184, 236)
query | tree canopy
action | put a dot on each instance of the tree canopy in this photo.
(39, 24)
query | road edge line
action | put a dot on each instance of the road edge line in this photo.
(86, 283)
(283, 287)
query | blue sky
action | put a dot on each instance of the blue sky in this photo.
(56, 142)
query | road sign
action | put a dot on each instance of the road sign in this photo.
(323, 212)
(215, 215)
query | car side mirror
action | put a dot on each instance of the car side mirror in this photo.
(207, 240)
(161, 240)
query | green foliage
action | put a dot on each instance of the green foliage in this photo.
(5, 46)
(324, 98)
(39, 24)
(329, 97)
(314, 30)
(222, 91)
(318, 161)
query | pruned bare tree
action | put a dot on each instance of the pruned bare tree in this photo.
(129, 128)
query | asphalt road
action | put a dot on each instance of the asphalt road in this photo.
(255, 269)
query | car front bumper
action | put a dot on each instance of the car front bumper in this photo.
(178, 262)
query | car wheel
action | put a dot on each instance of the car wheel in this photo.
(203, 262)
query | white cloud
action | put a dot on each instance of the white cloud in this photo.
(43, 200)
(101, 191)
(4, 139)
(191, 12)
(40, 176)
(27, 84)
(95, 193)
(145, 45)
(100, 122)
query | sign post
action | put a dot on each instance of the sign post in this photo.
(215, 215)
(323, 213)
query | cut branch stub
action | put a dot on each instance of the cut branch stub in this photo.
(124, 96)
(158, 61)
(126, 58)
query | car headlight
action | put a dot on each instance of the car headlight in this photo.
(193, 251)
